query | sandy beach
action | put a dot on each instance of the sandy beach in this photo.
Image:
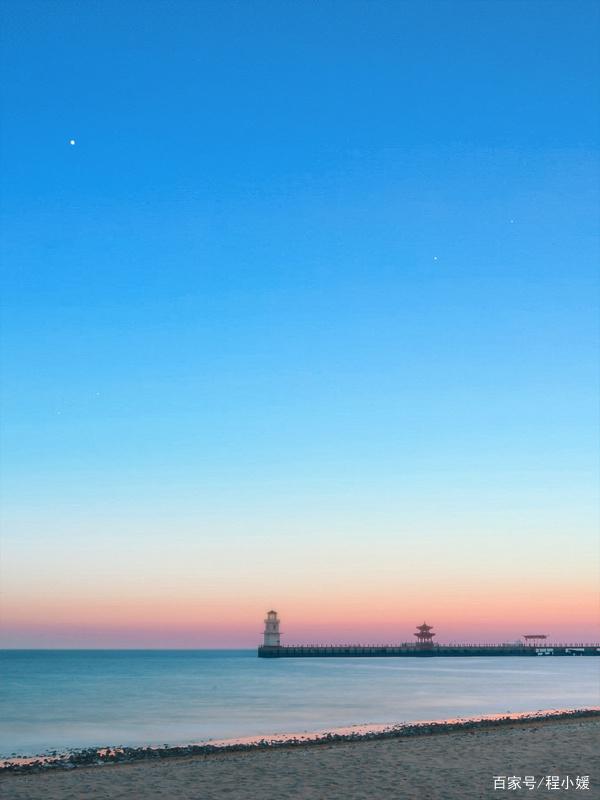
(455, 764)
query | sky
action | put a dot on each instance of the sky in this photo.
(305, 318)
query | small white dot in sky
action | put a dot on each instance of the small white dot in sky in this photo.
(435, 258)
(71, 141)
(511, 221)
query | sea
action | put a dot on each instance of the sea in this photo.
(69, 699)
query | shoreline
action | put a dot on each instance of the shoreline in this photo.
(96, 757)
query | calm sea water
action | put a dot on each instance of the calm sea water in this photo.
(64, 699)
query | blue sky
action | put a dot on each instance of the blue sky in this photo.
(309, 268)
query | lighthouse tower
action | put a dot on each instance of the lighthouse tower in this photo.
(271, 630)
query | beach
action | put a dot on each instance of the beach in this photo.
(447, 763)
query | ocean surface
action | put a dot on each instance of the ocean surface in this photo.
(89, 698)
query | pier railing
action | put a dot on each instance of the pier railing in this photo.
(430, 649)
(436, 645)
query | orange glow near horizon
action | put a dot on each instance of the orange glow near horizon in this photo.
(193, 595)
(221, 622)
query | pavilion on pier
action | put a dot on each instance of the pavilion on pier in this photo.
(424, 635)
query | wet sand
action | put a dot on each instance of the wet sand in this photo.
(442, 766)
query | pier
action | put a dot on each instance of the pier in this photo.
(532, 646)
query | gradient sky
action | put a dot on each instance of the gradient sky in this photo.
(306, 319)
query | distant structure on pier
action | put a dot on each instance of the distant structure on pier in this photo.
(272, 634)
(424, 635)
(535, 638)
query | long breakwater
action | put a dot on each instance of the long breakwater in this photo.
(416, 651)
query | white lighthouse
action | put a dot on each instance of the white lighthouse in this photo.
(271, 635)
